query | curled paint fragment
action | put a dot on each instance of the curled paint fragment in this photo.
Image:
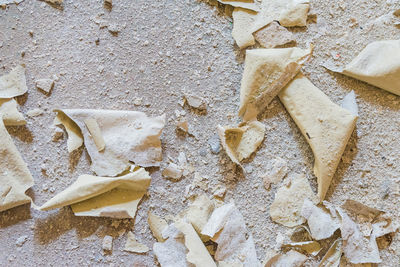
(14, 83)
(9, 112)
(115, 197)
(266, 73)
(240, 142)
(129, 136)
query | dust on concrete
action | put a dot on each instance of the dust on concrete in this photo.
(163, 49)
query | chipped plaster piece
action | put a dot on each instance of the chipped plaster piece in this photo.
(95, 133)
(15, 177)
(45, 85)
(286, 208)
(107, 243)
(34, 112)
(326, 126)
(132, 245)
(195, 102)
(115, 197)
(378, 64)
(277, 170)
(274, 35)
(349, 102)
(287, 12)
(246, 4)
(9, 112)
(173, 171)
(321, 222)
(333, 255)
(197, 252)
(130, 136)
(226, 227)
(14, 83)
(157, 226)
(290, 259)
(240, 142)
(266, 73)
(199, 211)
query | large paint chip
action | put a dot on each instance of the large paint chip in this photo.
(14, 83)
(15, 177)
(240, 142)
(287, 206)
(115, 197)
(326, 126)
(266, 73)
(129, 136)
(377, 64)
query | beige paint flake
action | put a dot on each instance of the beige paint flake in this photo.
(266, 73)
(274, 35)
(333, 255)
(75, 138)
(115, 197)
(199, 211)
(226, 227)
(276, 171)
(288, 13)
(360, 228)
(290, 259)
(378, 64)
(308, 247)
(46, 85)
(289, 199)
(157, 226)
(15, 177)
(321, 221)
(9, 112)
(129, 136)
(197, 252)
(132, 245)
(14, 83)
(95, 133)
(240, 142)
(326, 126)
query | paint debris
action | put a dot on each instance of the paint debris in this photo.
(46, 85)
(132, 245)
(277, 170)
(107, 243)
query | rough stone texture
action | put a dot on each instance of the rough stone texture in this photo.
(164, 49)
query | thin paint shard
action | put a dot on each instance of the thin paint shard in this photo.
(75, 138)
(288, 202)
(9, 112)
(349, 102)
(116, 197)
(247, 4)
(15, 177)
(14, 83)
(240, 142)
(290, 259)
(266, 73)
(274, 35)
(199, 211)
(95, 133)
(129, 136)
(326, 126)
